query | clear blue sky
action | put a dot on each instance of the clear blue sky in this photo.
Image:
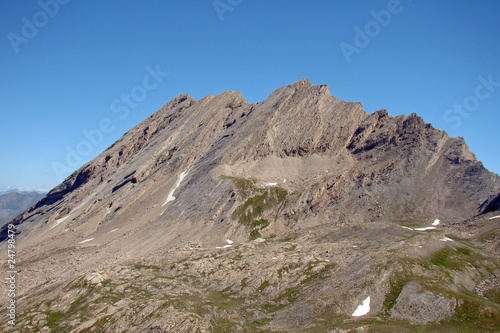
(64, 70)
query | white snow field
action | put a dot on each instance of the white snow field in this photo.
(171, 194)
(363, 309)
(87, 240)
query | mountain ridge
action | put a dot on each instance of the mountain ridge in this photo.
(300, 163)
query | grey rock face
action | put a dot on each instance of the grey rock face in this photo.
(281, 215)
(422, 307)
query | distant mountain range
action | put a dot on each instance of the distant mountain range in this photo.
(14, 202)
(21, 190)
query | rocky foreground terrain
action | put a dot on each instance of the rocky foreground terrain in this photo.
(301, 213)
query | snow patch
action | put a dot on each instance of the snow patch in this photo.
(419, 229)
(446, 239)
(274, 258)
(61, 220)
(223, 247)
(436, 222)
(363, 309)
(87, 240)
(113, 230)
(171, 194)
(271, 184)
(284, 180)
(495, 217)
(424, 229)
(229, 241)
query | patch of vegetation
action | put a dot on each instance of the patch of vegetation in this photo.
(254, 234)
(103, 323)
(253, 207)
(465, 251)
(489, 235)
(290, 236)
(106, 283)
(263, 286)
(256, 326)
(256, 201)
(478, 314)
(280, 272)
(224, 300)
(244, 187)
(473, 313)
(54, 319)
(261, 224)
(460, 257)
(222, 325)
(443, 258)
(291, 294)
(493, 295)
(79, 307)
(311, 277)
(397, 282)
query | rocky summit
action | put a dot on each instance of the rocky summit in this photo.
(301, 213)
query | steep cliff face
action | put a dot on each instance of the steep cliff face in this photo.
(301, 166)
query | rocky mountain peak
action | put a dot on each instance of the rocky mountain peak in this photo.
(318, 206)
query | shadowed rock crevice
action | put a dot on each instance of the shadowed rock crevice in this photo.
(490, 205)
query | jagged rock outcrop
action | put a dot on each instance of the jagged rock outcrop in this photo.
(422, 307)
(340, 193)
